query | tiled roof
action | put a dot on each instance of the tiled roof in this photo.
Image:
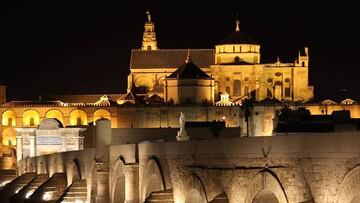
(170, 58)
(237, 37)
(32, 103)
(189, 71)
(155, 99)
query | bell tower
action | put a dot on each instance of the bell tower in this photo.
(149, 38)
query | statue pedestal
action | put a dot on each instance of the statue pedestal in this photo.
(182, 136)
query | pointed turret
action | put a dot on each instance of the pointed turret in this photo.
(149, 38)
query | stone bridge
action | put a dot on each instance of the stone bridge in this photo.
(321, 168)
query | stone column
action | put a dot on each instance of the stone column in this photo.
(131, 183)
(32, 139)
(102, 139)
(102, 182)
(19, 146)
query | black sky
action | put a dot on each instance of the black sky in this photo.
(83, 47)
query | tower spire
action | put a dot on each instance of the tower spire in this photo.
(149, 37)
(237, 23)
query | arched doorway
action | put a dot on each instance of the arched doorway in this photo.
(194, 197)
(265, 196)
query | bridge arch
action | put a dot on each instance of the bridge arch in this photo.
(196, 191)
(349, 191)
(118, 184)
(266, 187)
(153, 178)
(73, 171)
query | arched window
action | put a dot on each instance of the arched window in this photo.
(31, 118)
(149, 48)
(303, 64)
(78, 117)
(237, 88)
(55, 114)
(268, 93)
(8, 118)
(101, 113)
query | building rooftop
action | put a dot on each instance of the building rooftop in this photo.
(189, 71)
(170, 58)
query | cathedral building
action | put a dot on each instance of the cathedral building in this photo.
(234, 66)
(205, 84)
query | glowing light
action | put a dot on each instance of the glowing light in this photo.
(28, 194)
(4, 183)
(16, 191)
(223, 117)
(47, 195)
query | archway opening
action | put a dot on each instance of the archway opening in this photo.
(193, 196)
(102, 113)
(119, 192)
(31, 118)
(9, 118)
(78, 117)
(265, 196)
(8, 137)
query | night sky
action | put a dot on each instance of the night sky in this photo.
(83, 47)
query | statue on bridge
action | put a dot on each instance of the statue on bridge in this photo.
(182, 135)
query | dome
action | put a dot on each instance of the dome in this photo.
(237, 37)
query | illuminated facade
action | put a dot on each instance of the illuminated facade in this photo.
(133, 156)
(234, 65)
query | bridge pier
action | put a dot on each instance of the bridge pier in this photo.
(131, 183)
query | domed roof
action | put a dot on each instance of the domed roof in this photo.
(237, 37)
(189, 71)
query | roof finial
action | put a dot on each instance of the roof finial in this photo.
(188, 58)
(237, 23)
(148, 15)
